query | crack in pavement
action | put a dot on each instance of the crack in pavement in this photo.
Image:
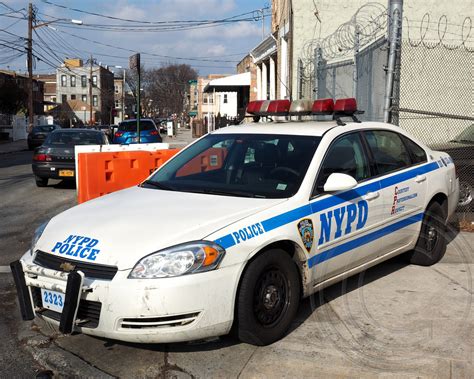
(168, 367)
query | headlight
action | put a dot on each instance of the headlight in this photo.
(38, 232)
(187, 258)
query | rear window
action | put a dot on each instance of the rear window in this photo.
(131, 126)
(74, 138)
(44, 128)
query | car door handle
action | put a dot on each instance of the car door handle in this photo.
(420, 178)
(371, 195)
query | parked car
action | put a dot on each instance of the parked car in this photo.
(252, 219)
(107, 130)
(55, 158)
(461, 150)
(38, 135)
(127, 132)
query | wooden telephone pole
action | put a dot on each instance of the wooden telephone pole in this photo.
(90, 91)
(31, 113)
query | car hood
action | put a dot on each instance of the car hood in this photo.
(120, 228)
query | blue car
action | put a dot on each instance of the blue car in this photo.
(127, 132)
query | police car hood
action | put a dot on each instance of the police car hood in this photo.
(120, 228)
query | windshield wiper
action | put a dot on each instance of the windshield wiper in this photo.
(157, 185)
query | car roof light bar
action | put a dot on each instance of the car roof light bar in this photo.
(346, 107)
(323, 107)
(300, 108)
(279, 107)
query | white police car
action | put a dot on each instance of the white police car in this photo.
(237, 228)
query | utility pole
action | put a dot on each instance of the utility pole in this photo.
(138, 96)
(123, 95)
(31, 113)
(90, 92)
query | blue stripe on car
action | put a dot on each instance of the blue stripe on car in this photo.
(351, 245)
(319, 205)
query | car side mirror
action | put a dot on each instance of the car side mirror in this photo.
(339, 182)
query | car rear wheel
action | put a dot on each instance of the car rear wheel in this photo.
(268, 298)
(431, 244)
(41, 182)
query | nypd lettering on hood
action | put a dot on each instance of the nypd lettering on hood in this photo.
(78, 246)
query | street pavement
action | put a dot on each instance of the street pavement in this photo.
(394, 320)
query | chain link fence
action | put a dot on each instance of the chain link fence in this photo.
(436, 104)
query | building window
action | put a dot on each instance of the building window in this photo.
(94, 80)
(83, 81)
(63, 99)
(117, 103)
(95, 100)
(73, 81)
(84, 98)
(211, 100)
(116, 88)
(63, 80)
(225, 98)
(73, 97)
(53, 99)
(204, 99)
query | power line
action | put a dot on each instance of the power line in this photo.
(144, 53)
(148, 22)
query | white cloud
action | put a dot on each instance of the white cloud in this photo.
(208, 42)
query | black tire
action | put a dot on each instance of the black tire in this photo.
(431, 244)
(268, 298)
(41, 182)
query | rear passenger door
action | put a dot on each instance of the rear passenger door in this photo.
(342, 219)
(399, 164)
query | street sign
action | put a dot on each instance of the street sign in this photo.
(134, 61)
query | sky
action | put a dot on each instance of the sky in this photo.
(217, 49)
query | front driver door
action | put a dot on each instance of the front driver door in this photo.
(343, 220)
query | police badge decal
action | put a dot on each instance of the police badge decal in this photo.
(306, 230)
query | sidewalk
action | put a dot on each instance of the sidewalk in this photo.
(182, 139)
(13, 146)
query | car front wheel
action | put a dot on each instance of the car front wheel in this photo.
(268, 298)
(431, 244)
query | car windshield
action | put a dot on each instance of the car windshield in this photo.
(467, 135)
(131, 126)
(246, 165)
(44, 128)
(73, 138)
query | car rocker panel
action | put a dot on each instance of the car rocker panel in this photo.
(328, 234)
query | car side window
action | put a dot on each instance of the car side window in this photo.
(418, 154)
(346, 156)
(388, 150)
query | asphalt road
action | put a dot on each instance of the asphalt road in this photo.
(23, 207)
(394, 320)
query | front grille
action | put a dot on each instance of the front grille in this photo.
(88, 313)
(159, 322)
(90, 270)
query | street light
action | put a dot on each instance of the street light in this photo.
(31, 27)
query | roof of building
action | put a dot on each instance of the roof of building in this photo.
(229, 83)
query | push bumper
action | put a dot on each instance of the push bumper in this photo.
(137, 310)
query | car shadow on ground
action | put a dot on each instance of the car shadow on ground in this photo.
(307, 308)
(63, 184)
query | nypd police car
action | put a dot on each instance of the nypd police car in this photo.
(239, 226)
